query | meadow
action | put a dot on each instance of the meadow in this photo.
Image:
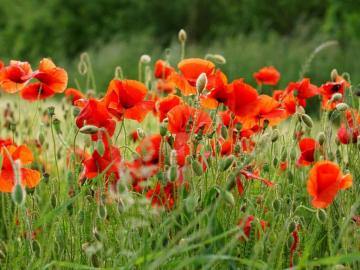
(185, 160)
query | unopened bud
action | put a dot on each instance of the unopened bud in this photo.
(342, 107)
(173, 173)
(274, 135)
(217, 58)
(224, 131)
(196, 166)
(228, 197)
(336, 97)
(321, 216)
(306, 119)
(321, 138)
(182, 35)
(163, 129)
(173, 158)
(89, 129)
(201, 83)
(226, 163)
(145, 59)
(18, 194)
(334, 75)
(100, 147)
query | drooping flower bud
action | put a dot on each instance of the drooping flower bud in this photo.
(100, 147)
(226, 163)
(18, 194)
(306, 119)
(274, 135)
(182, 35)
(89, 129)
(201, 83)
(342, 107)
(145, 59)
(336, 97)
(321, 138)
(334, 74)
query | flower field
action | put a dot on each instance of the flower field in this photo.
(180, 168)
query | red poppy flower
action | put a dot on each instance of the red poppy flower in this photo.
(74, 95)
(125, 99)
(325, 180)
(349, 132)
(267, 75)
(95, 113)
(265, 109)
(328, 89)
(51, 80)
(247, 226)
(218, 92)
(190, 71)
(302, 90)
(149, 149)
(29, 178)
(164, 105)
(109, 161)
(287, 101)
(242, 98)
(180, 115)
(14, 77)
(162, 196)
(307, 147)
(162, 69)
(165, 86)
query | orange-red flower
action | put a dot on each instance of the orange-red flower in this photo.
(242, 98)
(164, 105)
(74, 95)
(109, 162)
(162, 196)
(190, 70)
(247, 226)
(95, 113)
(162, 70)
(125, 99)
(325, 180)
(302, 90)
(14, 77)
(307, 147)
(328, 89)
(180, 115)
(29, 178)
(287, 101)
(349, 131)
(51, 80)
(264, 109)
(217, 84)
(267, 75)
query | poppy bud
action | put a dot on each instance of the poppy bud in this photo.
(76, 111)
(163, 129)
(173, 159)
(228, 197)
(334, 74)
(173, 173)
(274, 135)
(292, 226)
(231, 180)
(276, 205)
(321, 216)
(182, 35)
(217, 58)
(321, 138)
(100, 147)
(18, 194)
(102, 212)
(238, 126)
(53, 200)
(275, 162)
(224, 131)
(336, 97)
(56, 123)
(342, 107)
(141, 133)
(89, 129)
(118, 73)
(196, 166)
(306, 119)
(201, 83)
(51, 111)
(226, 163)
(145, 59)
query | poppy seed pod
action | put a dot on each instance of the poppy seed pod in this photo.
(145, 59)
(342, 107)
(182, 35)
(306, 119)
(201, 83)
(89, 129)
(334, 74)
